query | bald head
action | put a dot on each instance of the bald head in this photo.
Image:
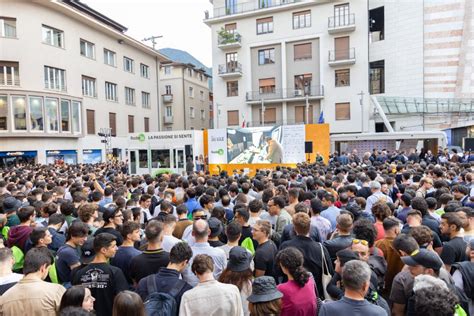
(200, 230)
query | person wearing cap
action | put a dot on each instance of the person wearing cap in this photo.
(215, 225)
(210, 297)
(265, 299)
(376, 196)
(201, 233)
(334, 288)
(113, 219)
(356, 280)
(10, 207)
(238, 272)
(104, 280)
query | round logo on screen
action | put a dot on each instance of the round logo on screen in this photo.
(220, 151)
(141, 137)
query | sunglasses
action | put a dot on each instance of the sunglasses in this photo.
(360, 241)
(200, 217)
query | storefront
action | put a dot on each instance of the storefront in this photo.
(11, 158)
(91, 156)
(61, 156)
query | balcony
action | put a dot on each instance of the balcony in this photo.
(247, 7)
(341, 23)
(341, 57)
(167, 98)
(280, 95)
(230, 70)
(168, 119)
(228, 40)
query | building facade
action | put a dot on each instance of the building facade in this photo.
(66, 73)
(184, 90)
(363, 66)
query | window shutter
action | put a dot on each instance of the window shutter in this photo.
(147, 124)
(90, 122)
(343, 111)
(113, 124)
(302, 51)
(131, 125)
(233, 117)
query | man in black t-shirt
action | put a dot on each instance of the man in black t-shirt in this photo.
(113, 218)
(455, 249)
(266, 250)
(104, 280)
(154, 257)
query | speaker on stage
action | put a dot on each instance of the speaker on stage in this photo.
(308, 147)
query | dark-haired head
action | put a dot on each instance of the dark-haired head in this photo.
(291, 262)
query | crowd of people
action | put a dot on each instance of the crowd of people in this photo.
(357, 236)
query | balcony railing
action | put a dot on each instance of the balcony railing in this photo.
(230, 68)
(276, 94)
(247, 7)
(168, 119)
(258, 123)
(167, 98)
(229, 38)
(341, 21)
(342, 55)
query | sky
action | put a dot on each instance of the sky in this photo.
(178, 21)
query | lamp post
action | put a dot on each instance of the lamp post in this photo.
(106, 134)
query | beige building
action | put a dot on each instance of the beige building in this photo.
(66, 71)
(184, 90)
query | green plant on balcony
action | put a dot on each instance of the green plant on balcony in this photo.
(226, 37)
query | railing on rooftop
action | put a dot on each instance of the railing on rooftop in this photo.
(247, 7)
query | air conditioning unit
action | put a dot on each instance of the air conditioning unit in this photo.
(299, 93)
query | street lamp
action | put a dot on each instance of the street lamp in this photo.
(106, 134)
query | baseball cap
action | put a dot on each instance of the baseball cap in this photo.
(11, 204)
(87, 251)
(425, 258)
(215, 226)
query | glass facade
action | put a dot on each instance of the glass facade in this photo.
(36, 114)
(19, 113)
(3, 113)
(52, 121)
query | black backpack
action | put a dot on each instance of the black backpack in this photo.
(159, 303)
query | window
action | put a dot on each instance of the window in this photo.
(147, 124)
(76, 117)
(233, 118)
(232, 88)
(145, 100)
(88, 87)
(269, 116)
(169, 111)
(3, 112)
(65, 116)
(36, 114)
(191, 92)
(168, 89)
(265, 25)
(7, 27)
(52, 115)
(201, 95)
(343, 111)
(110, 58)
(144, 71)
(87, 49)
(303, 84)
(113, 124)
(160, 158)
(201, 77)
(230, 28)
(167, 70)
(343, 77)
(264, 4)
(111, 91)
(341, 45)
(377, 24)
(302, 51)
(300, 114)
(342, 15)
(203, 115)
(128, 64)
(301, 19)
(19, 113)
(266, 56)
(129, 96)
(266, 85)
(9, 73)
(143, 158)
(231, 7)
(54, 78)
(91, 122)
(53, 36)
(192, 113)
(131, 124)
(190, 72)
(377, 77)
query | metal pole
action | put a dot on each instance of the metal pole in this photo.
(263, 113)
(307, 110)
